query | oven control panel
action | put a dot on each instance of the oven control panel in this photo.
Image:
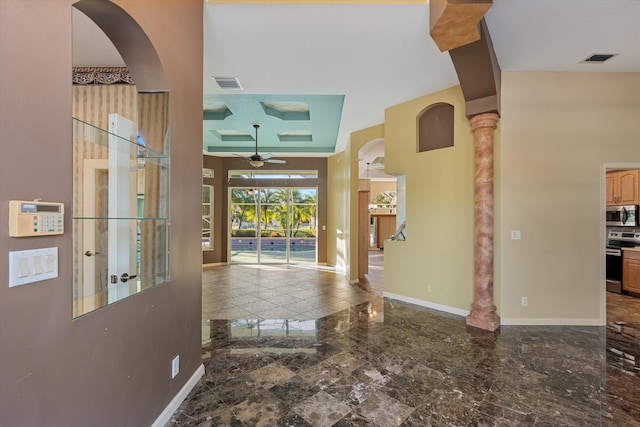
(624, 235)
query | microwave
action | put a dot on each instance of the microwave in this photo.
(622, 216)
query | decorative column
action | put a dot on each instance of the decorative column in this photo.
(483, 312)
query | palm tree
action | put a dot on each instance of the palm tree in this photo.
(268, 198)
(281, 197)
(304, 209)
(243, 205)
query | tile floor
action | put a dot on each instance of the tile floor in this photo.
(289, 346)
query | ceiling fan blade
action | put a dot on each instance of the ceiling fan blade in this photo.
(241, 155)
(267, 156)
(274, 161)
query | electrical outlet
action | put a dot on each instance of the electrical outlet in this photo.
(175, 366)
(515, 234)
(525, 301)
(429, 289)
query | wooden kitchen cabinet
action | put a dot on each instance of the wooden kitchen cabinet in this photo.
(622, 187)
(386, 226)
(631, 271)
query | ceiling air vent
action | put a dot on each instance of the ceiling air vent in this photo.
(228, 83)
(599, 57)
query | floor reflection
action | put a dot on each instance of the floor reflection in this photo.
(380, 362)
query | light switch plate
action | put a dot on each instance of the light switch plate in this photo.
(32, 265)
(175, 366)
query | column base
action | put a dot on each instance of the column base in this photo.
(488, 321)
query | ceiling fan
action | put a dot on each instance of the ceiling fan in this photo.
(256, 160)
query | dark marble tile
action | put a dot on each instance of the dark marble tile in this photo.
(383, 410)
(292, 420)
(201, 405)
(321, 410)
(259, 410)
(293, 391)
(271, 375)
(439, 412)
(356, 359)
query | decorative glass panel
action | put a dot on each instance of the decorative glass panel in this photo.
(120, 215)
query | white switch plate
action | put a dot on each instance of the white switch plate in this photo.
(515, 234)
(32, 265)
(175, 366)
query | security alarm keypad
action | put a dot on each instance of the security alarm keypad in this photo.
(35, 218)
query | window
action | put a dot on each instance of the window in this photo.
(207, 210)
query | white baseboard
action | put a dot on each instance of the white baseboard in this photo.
(550, 322)
(173, 406)
(423, 303)
(354, 282)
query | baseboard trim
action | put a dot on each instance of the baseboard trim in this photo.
(550, 322)
(173, 406)
(214, 264)
(354, 282)
(427, 304)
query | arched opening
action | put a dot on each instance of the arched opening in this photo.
(375, 224)
(120, 175)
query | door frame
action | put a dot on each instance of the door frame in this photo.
(90, 168)
(603, 229)
(258, 237)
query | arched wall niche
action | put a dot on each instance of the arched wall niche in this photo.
(146, 105)
(435, 127)
(131, 41)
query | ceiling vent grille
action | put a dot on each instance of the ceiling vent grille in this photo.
(228, 83)
(599, 57)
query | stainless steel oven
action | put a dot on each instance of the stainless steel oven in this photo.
(614, 270)
(616, 240)
(622, 216)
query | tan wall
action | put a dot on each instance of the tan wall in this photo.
(435, 263)
(358, 140)
(111, 367)
(558, 130)
(338, 180)
(377, 187)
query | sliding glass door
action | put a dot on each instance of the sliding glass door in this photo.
(273, 225)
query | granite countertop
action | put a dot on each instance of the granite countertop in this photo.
(636, 249)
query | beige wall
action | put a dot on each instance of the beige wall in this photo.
(111, 367)
(377, 187)
(338, 180)
(357, 141)
(343, 184)
(435, 263)
(558, 130)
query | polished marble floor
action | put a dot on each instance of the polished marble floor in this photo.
(290, 346)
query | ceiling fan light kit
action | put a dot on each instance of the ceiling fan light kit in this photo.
(257, 160)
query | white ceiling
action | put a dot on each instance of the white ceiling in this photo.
(380, 55)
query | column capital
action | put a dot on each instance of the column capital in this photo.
(483, 121)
